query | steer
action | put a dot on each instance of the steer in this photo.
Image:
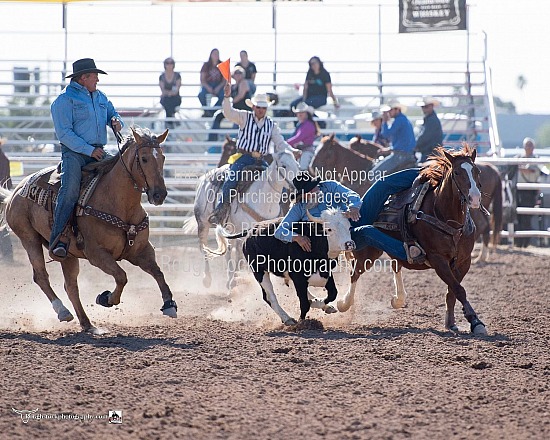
(266, 254)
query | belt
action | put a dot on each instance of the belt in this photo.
(97, 145)
(255, 154)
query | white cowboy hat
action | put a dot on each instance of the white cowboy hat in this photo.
(259, 100)
(394, 103)
(303, 107)
(373, 116)
(427, 100)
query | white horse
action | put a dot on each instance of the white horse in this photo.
(260, 202)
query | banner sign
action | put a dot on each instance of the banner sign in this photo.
(432, 15)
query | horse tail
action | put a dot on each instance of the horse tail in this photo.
(190, 226)
(496, 221)
(222, 237)
(4, 196)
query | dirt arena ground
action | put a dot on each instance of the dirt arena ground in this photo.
(227, 368)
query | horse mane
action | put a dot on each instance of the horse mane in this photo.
(439, 165)
(106, 165)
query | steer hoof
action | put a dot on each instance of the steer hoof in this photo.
(103, 299)
(291, 321)
(328, 309)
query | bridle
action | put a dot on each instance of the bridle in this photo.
(137, 187)
(463, 197)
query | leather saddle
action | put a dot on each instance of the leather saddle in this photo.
(249, 175)
(400, 209)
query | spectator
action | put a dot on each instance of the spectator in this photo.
(212, 81)
(304, 135)
(376, 122)
(170, 83)
(240, 92)
(6, 249)
(250, 70)
(431, 135)
(317, 86)
(527, 198)
(401, 135)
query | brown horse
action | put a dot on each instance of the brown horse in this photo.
(336, 162)
(491, 198)
(114, 226)
(443, 228)
(229, 148)
(368, 148)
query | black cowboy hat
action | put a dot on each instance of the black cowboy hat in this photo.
(85, 65)
(305, 182)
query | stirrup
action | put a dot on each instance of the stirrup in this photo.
(415, 253)
(60, 250)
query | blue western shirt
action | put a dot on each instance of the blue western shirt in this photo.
(81, 118)
(334, 195)
(400, 133)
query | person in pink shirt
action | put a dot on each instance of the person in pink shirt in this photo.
(305, 134)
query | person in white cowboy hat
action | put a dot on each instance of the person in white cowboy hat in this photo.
(431, 134)
(256, 131)
(401, 135)
(305, 134)
(375, 120)
(80, 114)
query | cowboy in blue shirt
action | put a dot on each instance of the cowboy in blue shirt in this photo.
(317, 195)
(80, 114)
(401, 135)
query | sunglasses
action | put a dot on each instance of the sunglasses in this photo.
(170, 62)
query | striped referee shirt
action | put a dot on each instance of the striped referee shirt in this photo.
(254, 134)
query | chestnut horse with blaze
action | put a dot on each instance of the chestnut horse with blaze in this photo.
(443, 228)
(114, 225)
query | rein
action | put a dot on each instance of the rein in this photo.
(137, 187)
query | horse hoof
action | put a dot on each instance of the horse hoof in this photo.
(171, 312)
(97, 331)
(65, 316)
(343, 306)
(396, 303)
(291, 321)
(329, 309)
(480, 329)
(170, 308)
(207, 281)
(103, 299)
(453, 328)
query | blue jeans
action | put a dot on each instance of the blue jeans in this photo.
(234, 175)
(203, 92)
(397, 161)
(71, 175)
(315, 101)
(362, 231)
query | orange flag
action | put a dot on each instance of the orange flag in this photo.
(225, 69)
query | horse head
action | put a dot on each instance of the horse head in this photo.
(366, 148)
(325, 154)
(147, 172)
(286, 167)
(464, 175)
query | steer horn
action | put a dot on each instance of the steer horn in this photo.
(313, 218)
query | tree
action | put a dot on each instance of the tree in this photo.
(521, 82)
